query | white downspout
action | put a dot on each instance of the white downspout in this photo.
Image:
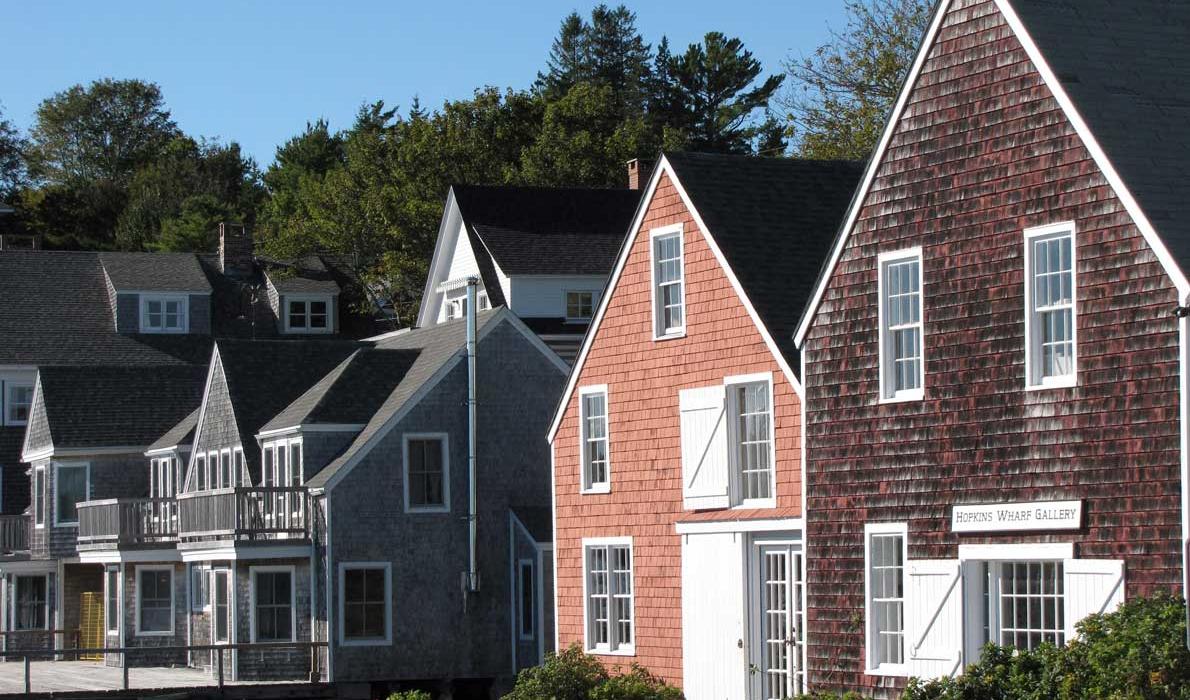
(473, 567)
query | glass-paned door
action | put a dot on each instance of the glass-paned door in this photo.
(779, 620)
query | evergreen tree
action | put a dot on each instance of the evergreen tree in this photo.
(12, 160)
(619, 58)
(569, 61)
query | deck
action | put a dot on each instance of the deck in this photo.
(68, 676)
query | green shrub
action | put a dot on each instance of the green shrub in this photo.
(410, 695)
(573, 675)
(1137, 652)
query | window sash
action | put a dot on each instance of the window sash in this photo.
(39, 496)
(112, 612)
(1027, 603)
(527, 599)
(273, 606)
(199, 588)
(31, 598)
(220, 602)
(886, 601)
(610, 624)
(752, 418)
(426, 473)
(70, 489)
(365, 603)
(18, 403)
(1051, 282)
(161, 314)
(901, 299)
(594, 439)
(580, 305)
(297, 314)
(155, 600)
(669, 304)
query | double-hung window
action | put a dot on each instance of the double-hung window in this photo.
(31, 608)
(308, 315)
(199, 587)
(427, 473)
(365, 590)
(1050, 297)
(580, 306)
(750, 403)
(163, 314)
(902, 366)
(607, 568)
(272, 605)
(71, 485)
(154, 600)
(593, 439)
(221, 604)
(669, 283)
(885, 556)
(18, 400)
(39, 496)
(112, 600)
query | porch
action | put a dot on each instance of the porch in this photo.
(74, 676)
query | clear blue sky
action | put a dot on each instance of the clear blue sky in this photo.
(255, 72)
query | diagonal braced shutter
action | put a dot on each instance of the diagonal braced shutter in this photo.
(1091, 586)
(704, 447)
(934, 617)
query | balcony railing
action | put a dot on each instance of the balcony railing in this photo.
(128, 521)
(14, 533)
(244, 513)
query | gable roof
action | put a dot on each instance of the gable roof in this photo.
(155, 272)
(546, 230)
(1121, 73)
(763, 218)
(309, 275)
(116, 406)
(182, 434)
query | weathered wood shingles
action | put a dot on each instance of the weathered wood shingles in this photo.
(644, 378)
(982, 152)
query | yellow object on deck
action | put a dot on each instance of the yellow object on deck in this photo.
(91, 624)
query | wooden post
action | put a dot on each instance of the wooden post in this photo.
(28, 682)
(219, 652)
(125, 655)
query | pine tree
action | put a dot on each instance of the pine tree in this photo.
(569, 59)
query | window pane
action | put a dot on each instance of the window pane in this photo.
(527, 586)
(886, 606)
(1030, 603)
(156, 605)
(274, 607)
(31, 603)
(297, 314)
(364, 603)
(425, 472)
(20, 399)
(594, 425)
(753, 440)
(71, 489)
(318, 314)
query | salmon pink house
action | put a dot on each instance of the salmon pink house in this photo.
(678, 501)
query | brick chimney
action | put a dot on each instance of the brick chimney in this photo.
(235, 250)
(638, 171)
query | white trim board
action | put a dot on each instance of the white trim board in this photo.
(1080, 127)
(729, 526)
(664, 168)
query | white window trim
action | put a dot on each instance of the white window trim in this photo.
(444, 438)
(566, 305)
(5, 401)
(654, 317)
(307, 298)
(183, 313)
(1030, 234)
(870, 529)
(286, 445)
(252, 571)
(623, 649)
(522, 564)
(172, 600)
(86, 495)
(883, 261)
(387, 640)
(603, 486)
(12, 608)
(734, 485)
(199, 602)
(44, 496)
(210, 603)
(119, 572)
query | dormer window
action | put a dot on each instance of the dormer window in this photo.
(18, 400)
(308, 315)
(163, 314)
(580, 306)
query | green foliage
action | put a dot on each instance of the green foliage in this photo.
(573, 675)
(842, 93)
(12, 161)
(1137, 652)
(410, 695)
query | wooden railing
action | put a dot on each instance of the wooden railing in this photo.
(244, 513)
(121, 521)
(14, 533)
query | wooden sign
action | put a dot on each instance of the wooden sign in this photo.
(1007, 517)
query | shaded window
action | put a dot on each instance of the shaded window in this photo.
(31, 593)
(365, 603)
(426, 472)
(273, 606)
(155, 599)
(71, 489)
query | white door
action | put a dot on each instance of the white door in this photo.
(714, 654)
(778, 621)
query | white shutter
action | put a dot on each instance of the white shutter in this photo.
(714, 650)
(934, 617)
(1091, 586)
(704, 447)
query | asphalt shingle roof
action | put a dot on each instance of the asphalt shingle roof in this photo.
(155, 272)
(180, 434)
(774, 219)
(544, 230)
(117, 406)
(1126, 67)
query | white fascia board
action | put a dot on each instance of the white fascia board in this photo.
(430, 295)
(132, 556)
(227, 552)
(730, 526)
(311, 428)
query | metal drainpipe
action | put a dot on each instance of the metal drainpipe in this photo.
(472, 513)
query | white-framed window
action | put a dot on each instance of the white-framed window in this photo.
(1026, 603)
(112, 608)
(482, 302)
(526, 582)
(365, 595)
(750, 406)
(607, 590)
(199, 587)
(1051, 338)
(72, 484)
(427, 472)
(309, 314)
(274, 615)
(164, 313)
(39, 496)
(154, 600)
(31, 604)
(18, 402)
(885, 547)
(200, 472)
(594, 441)
(580, 305)
(669, 282)
(902, 336)
(221, 605)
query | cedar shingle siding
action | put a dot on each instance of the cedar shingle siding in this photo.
(982, 152)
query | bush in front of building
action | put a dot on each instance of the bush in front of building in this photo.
(410, 695)
(573, 675)
(1137, 652)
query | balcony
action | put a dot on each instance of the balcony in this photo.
(14, 534)
(118, 523)
(244, 514)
